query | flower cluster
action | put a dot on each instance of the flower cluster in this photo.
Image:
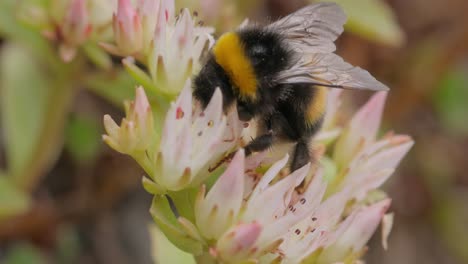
(231, 208)
(69, 23)
(169, 46)
(248, 215)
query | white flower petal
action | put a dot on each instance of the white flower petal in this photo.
(217, 211)
(361, 130)
(274, 208)
(358, 233)
(269, 176)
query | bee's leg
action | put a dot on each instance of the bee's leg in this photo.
(260, 143)
(257, 144)
(301, 155)
(277, 126)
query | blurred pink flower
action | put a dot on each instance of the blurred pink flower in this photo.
(149, 12)
(128, 32)
(75, 29)
(135, 25)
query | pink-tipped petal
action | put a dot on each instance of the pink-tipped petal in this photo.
(269, 176)
(208, 128)
(176, 139)
(267, 205)
(329, 212)
(141, 104)
(237, 243)
(312, 197)
(167, 8)
(127, 28)
(75, 28)
(183, 33)
(389, 158)
(148, 11)
(362, 129)
(358, 232)
(125, 11)
(370, 172)
(367, 119)
(218, 210)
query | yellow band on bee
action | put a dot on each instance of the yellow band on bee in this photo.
(230, 55)
(317, 107)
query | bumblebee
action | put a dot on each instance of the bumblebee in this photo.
(279, 74)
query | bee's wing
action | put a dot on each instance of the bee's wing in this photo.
(312, 29)
(330, 70)
(311, 32)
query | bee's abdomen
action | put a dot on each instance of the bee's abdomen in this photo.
(317, 105)
(304, 109)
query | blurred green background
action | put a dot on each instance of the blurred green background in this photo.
(65, 197)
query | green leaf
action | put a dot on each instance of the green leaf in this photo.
(34, 103)
(167, 222)
(372, 19)
(83, 138)
(12, 200)
(24, 92)
(67, 247)
(450, 217)
(450, 101)
(24, 254)
(164, 251)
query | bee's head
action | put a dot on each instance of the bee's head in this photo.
(250, 58)
(212, 76)
(265, 52)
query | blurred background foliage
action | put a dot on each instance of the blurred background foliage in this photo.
(66, 198)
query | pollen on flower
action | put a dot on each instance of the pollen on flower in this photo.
(182, 41)
(297, 232)
(179, 113)
(253, 250)
(210, 123)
